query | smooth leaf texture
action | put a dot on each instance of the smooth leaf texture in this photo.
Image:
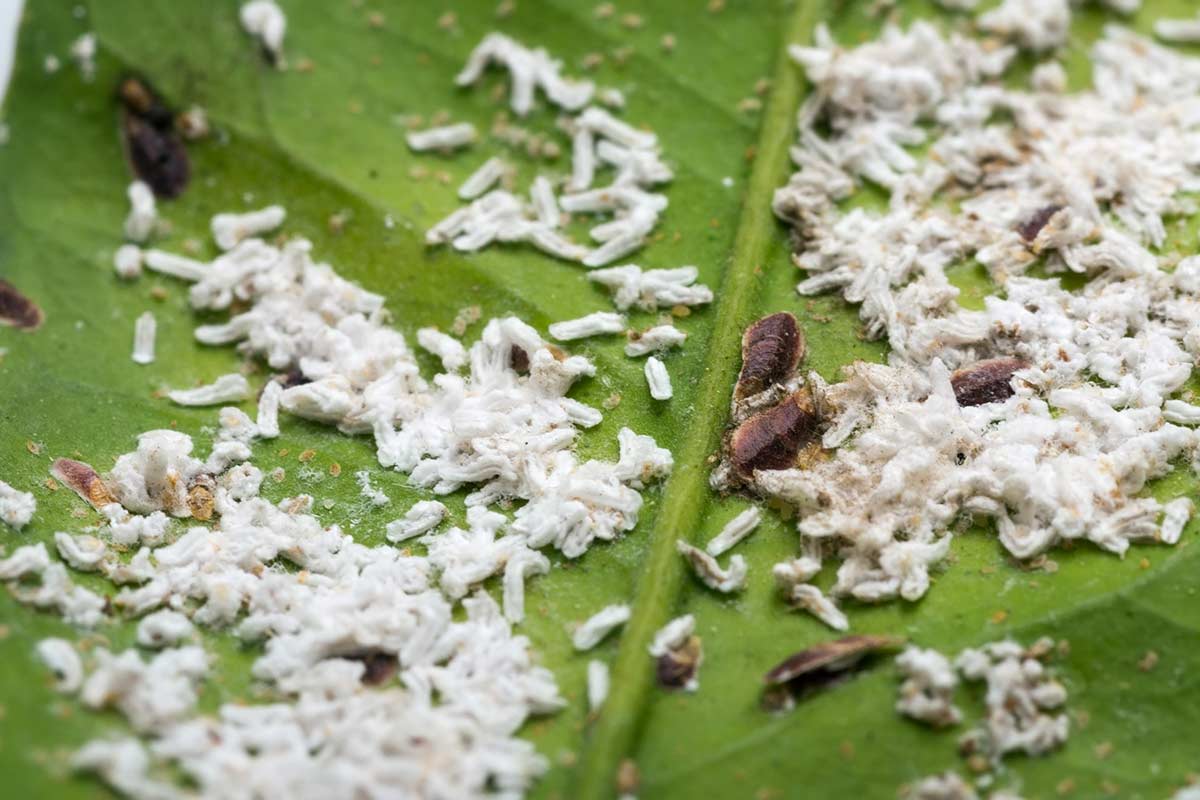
(329, 141)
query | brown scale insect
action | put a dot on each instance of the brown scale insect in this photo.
(772, 348)
(518, 359)
(200, 497)
(17, 310)
(152, 146)
(821, 666)
(1030, 229)
(676, 668)
(985, 381)
(379, 666)
(774, 438)
(82, 479)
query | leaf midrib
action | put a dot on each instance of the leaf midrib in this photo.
(619, 724)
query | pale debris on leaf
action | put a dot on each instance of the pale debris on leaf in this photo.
(444, 137)
(144, 331)
(143, 216)
(595, 324)
(927, 692)
(228, 229)
(376, 497)
(127, 261)
(597, 684)
(814, 601)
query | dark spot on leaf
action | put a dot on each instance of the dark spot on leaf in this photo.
(772, 348)
(82, 479)
(985, 381)
(773, 438)
(821, 666)
(676, 668)
(152, 146)
(1030, 228)
(518, 359)
(17, 310)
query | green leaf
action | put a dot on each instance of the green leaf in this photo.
(327, 141)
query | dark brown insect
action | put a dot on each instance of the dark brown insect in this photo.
(985, 381)
(676, 668)
(821, 666)
(200, 498)
(17, 310)
(518, 359)
(1030, 228)
(152, 146)
(83, 480)
(772, 348)
(379, 666)
(293, 377)
(773, 438)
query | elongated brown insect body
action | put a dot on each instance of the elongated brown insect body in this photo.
(17, 310)
(772, 348)
(83, 480)
(1030, 229)
(157, 157)
(153, 148)
(985, 381)
(773, 438)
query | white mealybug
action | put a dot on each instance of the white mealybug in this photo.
(177, 266)
(446, 137)
(16, 507)
(1186, 31)
(225, 389)
(265, 20)
(658, 379)
(672, 635)
(596, 324)
(230, 229)
(710, 572)
(61, 658)
(484, 178)
(447, 348)
(814, 601)
(143, 213)
(599, 625)
(597, 684)
(144, 331)
(424, 516)
(654, 340)
(734, 531)
(127, 261)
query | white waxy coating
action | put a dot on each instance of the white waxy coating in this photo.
(446, 347)
(16, 507)
(174, 265)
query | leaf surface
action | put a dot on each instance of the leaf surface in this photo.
(330, 141)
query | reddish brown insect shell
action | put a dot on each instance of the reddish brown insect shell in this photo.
(17, 310)
(379, 666)
(772, 348)
(985, 381)
(1030, 229)
(83, 480)
(773, 438)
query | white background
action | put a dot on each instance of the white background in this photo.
(10, 13)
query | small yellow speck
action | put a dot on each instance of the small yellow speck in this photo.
(335, 469)
(1148, 662)
(307, 455)
(999, 617)
(447, 21)
(667, 42)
